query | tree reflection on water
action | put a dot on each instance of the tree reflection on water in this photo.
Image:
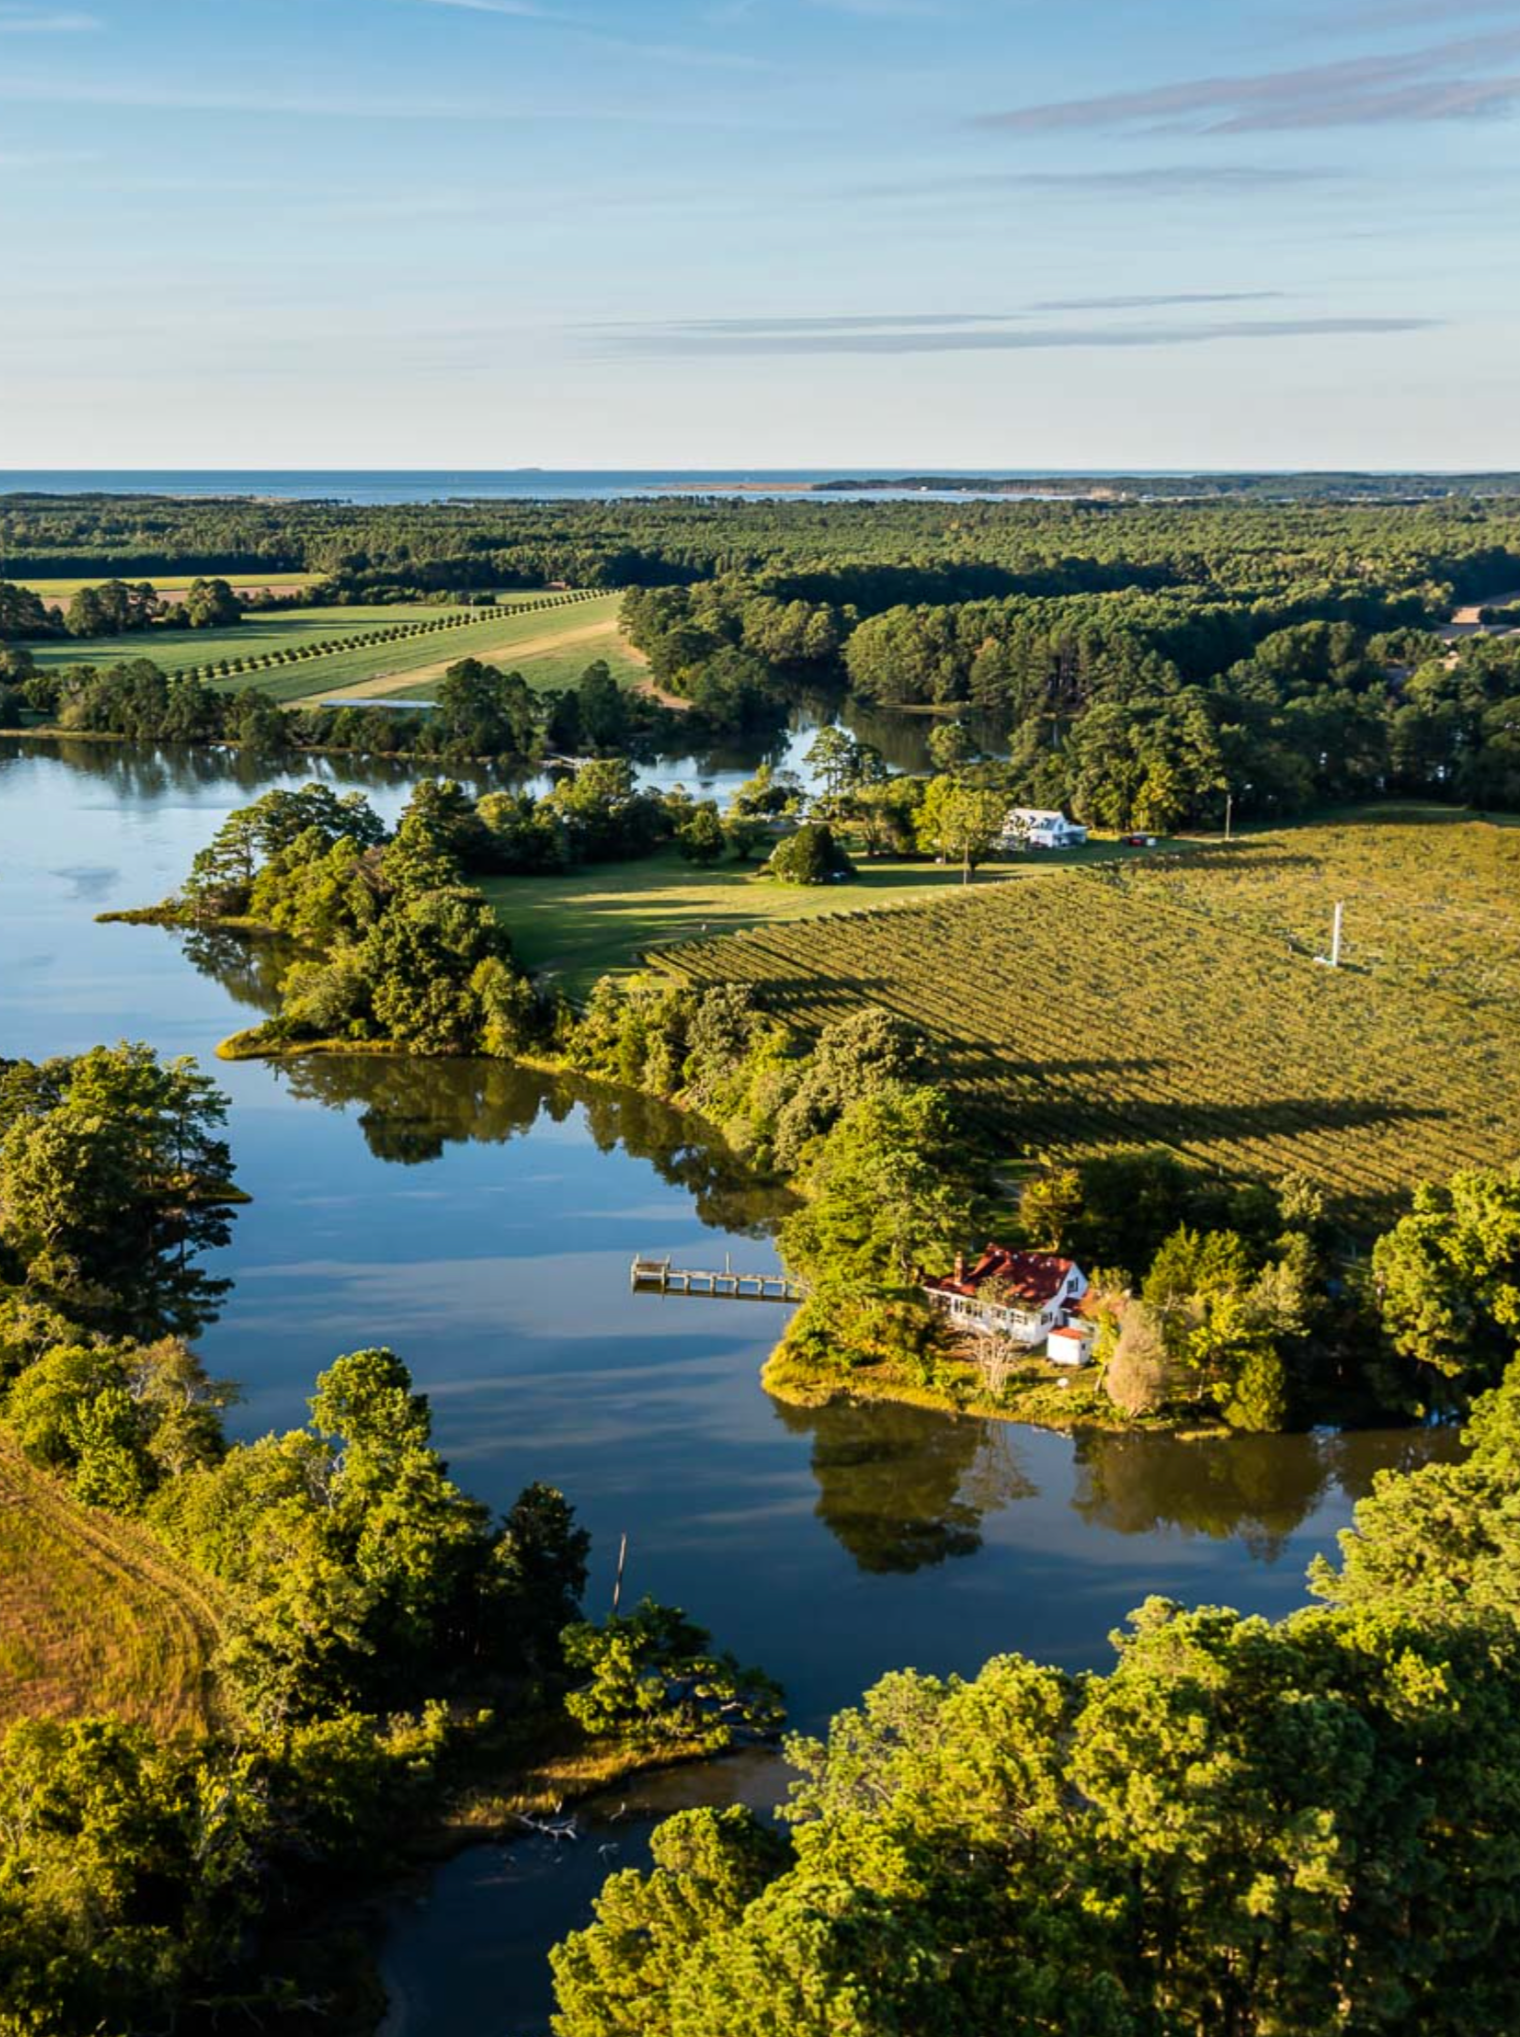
(901, 1489)
(409, 1110)
(1257, 1489)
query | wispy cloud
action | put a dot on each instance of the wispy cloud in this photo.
(1156, 301)
(1434, 83)
(589, 33)
(972, 333)
(57, 88)
(37, 21)
(523, 9)
(1413, 13)
(1159, 180)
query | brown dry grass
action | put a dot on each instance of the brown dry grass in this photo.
(95, 1617)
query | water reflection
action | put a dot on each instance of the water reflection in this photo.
(250, 971)
(900, 1493)
(411, 1110)
(140, 773)
(1253, 1489)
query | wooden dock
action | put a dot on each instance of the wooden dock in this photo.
(659, 1276)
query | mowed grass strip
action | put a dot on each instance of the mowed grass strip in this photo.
(599, 920)
(561, 668)
(576, 634)
(1074, 1016)
(94, 1616)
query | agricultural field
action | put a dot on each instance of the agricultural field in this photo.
(276, 579)
(375, 650)
(288, 629)
(1080, 1011)
(549, 671)
(548, 648)
(94, 1617)
(601, 919)
(1428, 901)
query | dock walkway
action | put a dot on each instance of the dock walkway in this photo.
(659, 1276)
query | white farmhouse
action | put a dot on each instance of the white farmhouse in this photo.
(1022, 1295)
(1040, 827)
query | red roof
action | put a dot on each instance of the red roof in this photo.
(1033, 1277)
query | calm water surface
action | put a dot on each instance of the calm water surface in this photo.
(481, 1220)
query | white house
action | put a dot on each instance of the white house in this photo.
(1040, 827)
(1022, 1295)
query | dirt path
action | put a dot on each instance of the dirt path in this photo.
(521, 647)
(1465, 621)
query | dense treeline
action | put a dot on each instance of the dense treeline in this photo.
(1141, 657)
(479, 713)
(814, 549)
(1241, 1829)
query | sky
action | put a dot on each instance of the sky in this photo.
(974, 234)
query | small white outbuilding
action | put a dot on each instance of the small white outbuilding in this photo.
(1070, 1344)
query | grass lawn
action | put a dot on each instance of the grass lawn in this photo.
(94, 1616)
(595, 921)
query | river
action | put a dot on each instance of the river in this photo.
(481, 1220)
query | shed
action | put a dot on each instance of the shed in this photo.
(1070, 1344)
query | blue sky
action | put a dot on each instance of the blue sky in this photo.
(964, 233)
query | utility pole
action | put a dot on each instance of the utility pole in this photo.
(1335, 934)
(1229, 808)
(617, 1586)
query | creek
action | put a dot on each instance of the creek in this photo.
(481, 1220)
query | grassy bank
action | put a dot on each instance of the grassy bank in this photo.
(1040, 1395)
(95, 1616)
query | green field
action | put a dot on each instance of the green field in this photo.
(550, 671)
(435, 637)
(94, 1616)
(286, 629)
(1079, 1011)
(551, 647)
(599, 920)
(167, 583)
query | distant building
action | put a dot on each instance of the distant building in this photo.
(1040, 827)
(1022, 1295)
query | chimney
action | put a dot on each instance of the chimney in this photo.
(960, 1266)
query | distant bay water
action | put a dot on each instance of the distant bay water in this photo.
(459, 484)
